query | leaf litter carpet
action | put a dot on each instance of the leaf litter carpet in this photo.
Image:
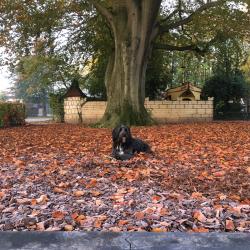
(61, 177)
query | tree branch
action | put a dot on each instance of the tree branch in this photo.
(190, 17)
(103, 11)
(174, 47)
(199, 48)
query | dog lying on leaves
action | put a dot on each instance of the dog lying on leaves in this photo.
(124, 145)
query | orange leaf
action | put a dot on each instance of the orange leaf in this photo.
(80, 219)
(40, 226)
(164, 211)
(19, 163)
(235, 197)
(63, 184)
(92, 183)
(139, 215)
(33, 202)
(42, 199)
(98, 223)
(122, 222)
(230, 225)
(79, 193)
(95, 193)
(235, 210)
(23, 201)
(155, 198)
(158, 230)
(98, 202)
(58, 215)
(222, 196)
(197, 195)
(74, 215)
(200, 230)
(198, 215)
(219, 173)
(148, 210)
(115, 229)
(68, 228)
(58, 190)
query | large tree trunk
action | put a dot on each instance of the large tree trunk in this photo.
(133, 26)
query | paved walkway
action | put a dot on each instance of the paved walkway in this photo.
(116, 241)
(38, 119)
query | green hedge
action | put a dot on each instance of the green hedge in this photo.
(56, 104)
(11, 114)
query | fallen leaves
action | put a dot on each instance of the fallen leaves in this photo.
(42, 199)
(58, 215)
(78, 193)
(58, 190)
(155, 198)
(139, 215)
(196, 181)
(197, 195)
(68, 228)
(219, 173)
(198, 215)
(230, 225)
(200, 230)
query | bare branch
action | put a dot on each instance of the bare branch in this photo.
(188, 19)
(103, 11)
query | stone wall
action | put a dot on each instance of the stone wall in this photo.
(180, 111)
(73, 109)
(93, 111)
(77, 109)
(161, 111)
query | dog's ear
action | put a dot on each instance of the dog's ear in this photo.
(129, 133)
(115, 133)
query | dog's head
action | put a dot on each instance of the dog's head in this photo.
(121, 135)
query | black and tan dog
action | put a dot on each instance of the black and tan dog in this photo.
(124, 145)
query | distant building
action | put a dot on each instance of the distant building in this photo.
(185, 92)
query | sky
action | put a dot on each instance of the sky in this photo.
(4, 79)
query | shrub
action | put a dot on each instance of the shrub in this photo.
(12, 114)
(56, 104)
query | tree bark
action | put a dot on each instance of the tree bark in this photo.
(133, 23)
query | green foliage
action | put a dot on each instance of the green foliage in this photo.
(228, 84)
(95, 81)
(56, 102)
(158, 74)
(11, 114)
(225, 88)
(38, 75)
(246, 70)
